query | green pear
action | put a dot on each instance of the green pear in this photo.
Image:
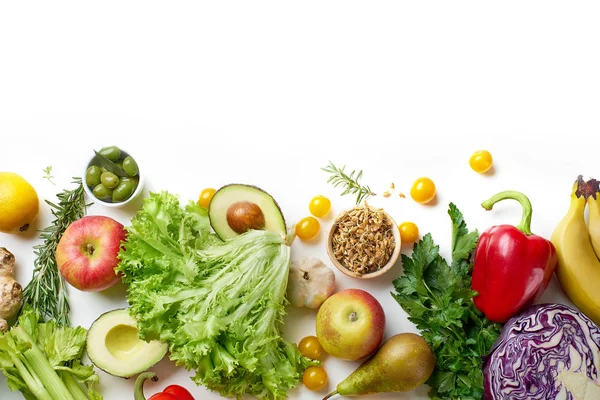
(404, 362)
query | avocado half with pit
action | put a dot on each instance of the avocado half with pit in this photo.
(237, 208)
(114, 346)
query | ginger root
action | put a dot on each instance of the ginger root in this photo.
(11, 293)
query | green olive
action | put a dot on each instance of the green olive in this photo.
(130, 166)
(113, 153)
(134, 182)
(103, 170)
(101, 192)
(122, 192)
(109, 180)
(92, 176)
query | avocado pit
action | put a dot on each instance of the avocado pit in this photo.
(238, 208)
(245, 215)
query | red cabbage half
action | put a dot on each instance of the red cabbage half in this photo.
(550, 351)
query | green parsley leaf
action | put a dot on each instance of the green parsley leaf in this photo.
(464, 246)
(439, 300)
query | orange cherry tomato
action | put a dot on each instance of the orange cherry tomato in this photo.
(409, 232)
(315, 378)
(319, 206)
(307, 228)
(423, 190)
(310, 347)
(481, 161)
(205, 197)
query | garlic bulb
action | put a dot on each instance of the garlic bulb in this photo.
(310, 283)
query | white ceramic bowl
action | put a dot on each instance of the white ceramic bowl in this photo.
(135, 194)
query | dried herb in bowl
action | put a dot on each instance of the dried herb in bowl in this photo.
(363, 240)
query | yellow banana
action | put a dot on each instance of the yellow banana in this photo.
(578, 267)
(594, 224)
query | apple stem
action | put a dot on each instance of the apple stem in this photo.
(90, 249)
(330, 395)
(353, 316)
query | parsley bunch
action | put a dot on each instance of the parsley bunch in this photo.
(438, 299)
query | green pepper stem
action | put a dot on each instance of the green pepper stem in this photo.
(525, 224)
(138, 391)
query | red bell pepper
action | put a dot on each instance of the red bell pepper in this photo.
(512, 267)
(171, 392)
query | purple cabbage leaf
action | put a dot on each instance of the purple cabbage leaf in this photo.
(549, 351)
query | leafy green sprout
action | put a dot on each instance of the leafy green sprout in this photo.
(48, 174)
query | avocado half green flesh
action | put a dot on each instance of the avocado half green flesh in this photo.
(114, 346)
(226, 198)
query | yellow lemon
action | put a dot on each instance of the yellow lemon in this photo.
(19, 203)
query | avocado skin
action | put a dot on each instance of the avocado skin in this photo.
(152, 357)
(219, 220)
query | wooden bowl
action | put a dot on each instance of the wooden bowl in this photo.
(393, 259)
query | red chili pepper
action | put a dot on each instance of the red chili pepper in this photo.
(171, 392)
(512, 266)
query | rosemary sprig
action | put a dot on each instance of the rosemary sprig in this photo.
(349, 182)
(48, 174)
(47, 291)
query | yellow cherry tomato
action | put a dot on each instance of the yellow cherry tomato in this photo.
(315, 378)
(307, 228)
(310, 347)
(409, 232)
(423, 190)
(319, 206)
(481, 161)
(205, 197)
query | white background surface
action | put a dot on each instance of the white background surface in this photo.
(267, 92)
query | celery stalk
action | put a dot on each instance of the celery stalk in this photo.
(33, 383)
(52, 382)
(42, 368)
(43, 360)
(72, 385)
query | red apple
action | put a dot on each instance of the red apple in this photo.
(87, 252)
(350, 324)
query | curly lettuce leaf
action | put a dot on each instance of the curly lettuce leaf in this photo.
(219, 305)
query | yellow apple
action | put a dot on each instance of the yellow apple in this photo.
(350, 324)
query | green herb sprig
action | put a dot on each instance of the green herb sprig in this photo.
(339, 178)
(46, 292)
(48, 174)
(438, 299)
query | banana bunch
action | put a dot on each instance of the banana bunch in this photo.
(578, 249)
